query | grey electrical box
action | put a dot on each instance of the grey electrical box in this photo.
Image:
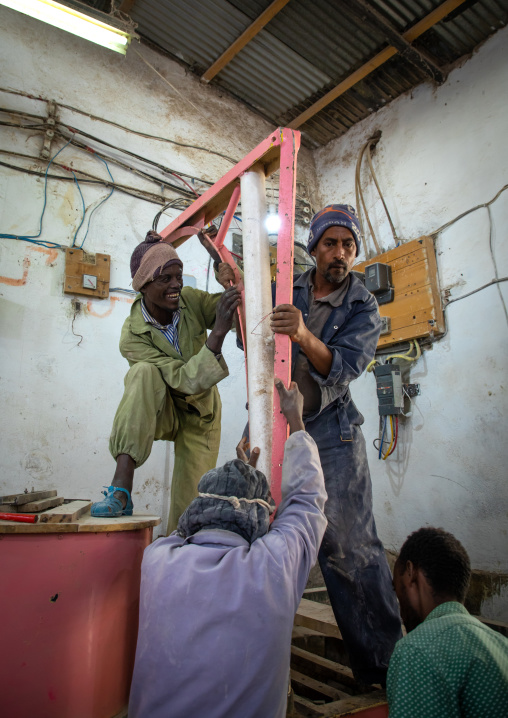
(389, 389)
(378, 280)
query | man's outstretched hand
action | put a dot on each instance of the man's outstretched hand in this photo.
(242, 447)
(291, 404)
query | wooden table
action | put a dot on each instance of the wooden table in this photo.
(69, 605)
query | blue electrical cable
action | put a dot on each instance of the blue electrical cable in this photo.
(32, 238)
(382, 438)
(84, 209)
(100, 203)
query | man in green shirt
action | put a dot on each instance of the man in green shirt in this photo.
(449, 665)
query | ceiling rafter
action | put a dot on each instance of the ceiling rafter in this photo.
(254, 28)
(409, 36)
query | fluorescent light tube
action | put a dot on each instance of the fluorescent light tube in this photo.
(74, 22)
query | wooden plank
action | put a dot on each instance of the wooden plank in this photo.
(321, 667)
(322, 689)
(91, 524)
(66, 513)
(306, 708)
(20, 499)
(303, 632)
(8, 508)
(251, 31)
(427, 22)
(317, 616)
(36, 506)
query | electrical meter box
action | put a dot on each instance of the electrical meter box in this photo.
(378, 280)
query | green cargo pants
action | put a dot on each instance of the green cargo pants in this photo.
(149, 412)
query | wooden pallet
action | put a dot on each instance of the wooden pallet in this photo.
(325, 688)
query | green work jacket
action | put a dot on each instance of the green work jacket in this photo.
(193, 375)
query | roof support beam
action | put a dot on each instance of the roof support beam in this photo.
(427, 22)
(366, 13)
(246, 36)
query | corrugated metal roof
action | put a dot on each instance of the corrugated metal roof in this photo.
(309, 47)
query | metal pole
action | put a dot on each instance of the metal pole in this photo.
(258, 307)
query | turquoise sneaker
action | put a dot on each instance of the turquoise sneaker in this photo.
(111, 507)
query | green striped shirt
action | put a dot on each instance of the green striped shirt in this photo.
(450, 666)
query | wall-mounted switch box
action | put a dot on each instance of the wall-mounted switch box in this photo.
(389, 389)
(386, 325)
(86, 273)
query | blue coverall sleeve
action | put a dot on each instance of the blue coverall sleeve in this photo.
(352, 347)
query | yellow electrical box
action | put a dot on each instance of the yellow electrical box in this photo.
(86, 273)
(416, 311)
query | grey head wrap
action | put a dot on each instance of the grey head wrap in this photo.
(234, 497)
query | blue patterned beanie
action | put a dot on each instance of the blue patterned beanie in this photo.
(334, 215)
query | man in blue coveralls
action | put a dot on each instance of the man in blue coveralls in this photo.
(334, 326)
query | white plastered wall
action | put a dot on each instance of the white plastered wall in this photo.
(58, 397)
(442, 151)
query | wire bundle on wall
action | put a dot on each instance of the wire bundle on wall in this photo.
(72, 134)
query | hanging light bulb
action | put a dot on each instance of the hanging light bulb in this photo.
(272, 221)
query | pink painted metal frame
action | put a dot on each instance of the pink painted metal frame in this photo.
(277, 152)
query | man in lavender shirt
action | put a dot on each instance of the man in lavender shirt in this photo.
(219, 596)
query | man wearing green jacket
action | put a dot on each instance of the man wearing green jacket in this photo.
(170, 388)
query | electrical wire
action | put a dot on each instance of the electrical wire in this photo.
(301, 197)
(165, 170)
(116, 124)
(382, 439)
(88, 179)
(121, 289)
(172, 204)
(83, 206)
(34, 238)
(105, 199)
(413, 344)
(479, 289)
(396, 436)
(468, 211)
(360, 200)
(388, 451)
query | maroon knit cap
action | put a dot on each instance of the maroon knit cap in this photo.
(159, 261)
